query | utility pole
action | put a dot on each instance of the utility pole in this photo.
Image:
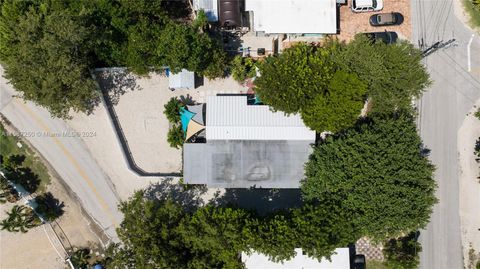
(438, 45)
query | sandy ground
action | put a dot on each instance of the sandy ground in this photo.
(468, 133)
(33, 249)
(140, 111)
(352, 23)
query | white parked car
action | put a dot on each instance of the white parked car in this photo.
(367, 5)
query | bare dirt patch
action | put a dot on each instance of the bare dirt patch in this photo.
(468, 133)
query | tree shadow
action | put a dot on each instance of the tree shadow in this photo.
(189, 197)
(187, 100)
(116, 82)
(49, 206)
(263, 201)
(27, 178)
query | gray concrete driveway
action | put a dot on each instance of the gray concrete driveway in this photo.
(67, 154)
(442, 110)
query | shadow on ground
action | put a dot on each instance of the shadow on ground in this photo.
(116, 82)
(189, 197)
(264, 201)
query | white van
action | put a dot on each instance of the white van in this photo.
(367, 5)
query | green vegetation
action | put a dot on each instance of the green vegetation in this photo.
(374, 264)
(162, 234)
(312, 80)
(8, 147)
(172, 110)
(375, 171)
(394, 73)
(339, 107)
(243, 68)
(169, 235)
(477, 113)
(473, 9)
(402, 253)
(48, 47)
(289, 81)
(7, 192)
(20, 219)
(175, 136)
(81, 258)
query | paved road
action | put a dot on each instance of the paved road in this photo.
(442, 110)
(68, 155)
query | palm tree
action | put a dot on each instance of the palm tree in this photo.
(20, 219)
(7, 192)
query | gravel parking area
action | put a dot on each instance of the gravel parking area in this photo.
(352, 23)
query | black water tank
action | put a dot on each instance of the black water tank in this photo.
(230, 14)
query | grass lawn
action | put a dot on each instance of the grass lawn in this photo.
(8, 146)
(473, 11)
(376, 265)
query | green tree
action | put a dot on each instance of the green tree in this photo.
(377, 173)
(48, 60)
(19, 219)
(172, 110)
(162, 234)
(394, 73)
(182, 46)
(175, 136)
(80, 258)
(339, 107)
(243, 68)
(402, 253)
(288, 82)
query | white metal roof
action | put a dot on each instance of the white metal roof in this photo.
(209, 6)
(294, 16)
(230, 118)
(182, 80)
(340, 260)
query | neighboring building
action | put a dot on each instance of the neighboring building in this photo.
(293, 16)
(248, 145)
(339, 260)
(183, 80)
(209, 6)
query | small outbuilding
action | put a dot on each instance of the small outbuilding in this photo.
(183, 80)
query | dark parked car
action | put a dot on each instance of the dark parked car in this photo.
(359, 262)
(384, 19)
(385, 37)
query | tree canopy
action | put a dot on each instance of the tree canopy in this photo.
(289, 81)
(49, 47)
(47, 56)
(339, 106)
(162, 234)
(328, 84)
(377, 173)
(394, 73)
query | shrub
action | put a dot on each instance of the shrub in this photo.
(243, 68)
(175, 136)
(402, 253)
(172, 110)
